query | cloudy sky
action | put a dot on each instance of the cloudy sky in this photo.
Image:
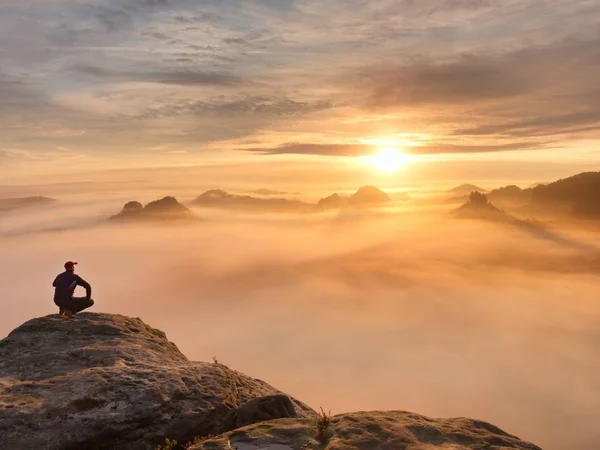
(160, 82)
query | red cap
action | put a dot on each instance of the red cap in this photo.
(70, 264)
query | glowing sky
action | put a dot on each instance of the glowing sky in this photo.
(151, 82)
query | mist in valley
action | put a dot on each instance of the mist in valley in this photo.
(407, 309)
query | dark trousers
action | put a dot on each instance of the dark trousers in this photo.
(74, 304)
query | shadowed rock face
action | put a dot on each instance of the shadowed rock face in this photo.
(167, 208)
(111, 382)
(394, 430)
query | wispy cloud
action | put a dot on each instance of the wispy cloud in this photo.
(179, 77)
(259, 106)
(296, 148)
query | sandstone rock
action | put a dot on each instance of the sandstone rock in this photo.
(265, 408)
(334, 201)
(479, 207)
(111, 382)
(394, 430)
(166, 209)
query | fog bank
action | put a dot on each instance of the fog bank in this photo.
(411, 312)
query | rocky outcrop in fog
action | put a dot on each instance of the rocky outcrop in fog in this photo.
(365, 197)
(479, 207)
(166, 209)
(334, 201)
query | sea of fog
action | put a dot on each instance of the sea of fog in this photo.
(407, 311)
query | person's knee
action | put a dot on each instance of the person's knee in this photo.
(91, 302)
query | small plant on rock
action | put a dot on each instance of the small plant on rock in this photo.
(322, 425)
(198, 440)
(170, 444)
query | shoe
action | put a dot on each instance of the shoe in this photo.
(61, 312)
(68, 313)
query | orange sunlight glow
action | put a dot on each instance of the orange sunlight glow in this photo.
(388, 160)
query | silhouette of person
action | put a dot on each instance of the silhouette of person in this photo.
(65, 284)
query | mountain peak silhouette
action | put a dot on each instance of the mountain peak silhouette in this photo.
(368, 196)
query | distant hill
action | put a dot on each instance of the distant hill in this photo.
(365, 197)
(368, 196)
(9, 204)
(576, 196)
(334, 201)
(166, 209)
(218, 198)
(510, 193)
(466, 189)
(579, 195)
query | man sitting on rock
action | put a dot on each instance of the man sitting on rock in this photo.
(65, 285)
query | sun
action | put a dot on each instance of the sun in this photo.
(388, 160)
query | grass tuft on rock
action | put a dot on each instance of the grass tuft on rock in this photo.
(322, 425)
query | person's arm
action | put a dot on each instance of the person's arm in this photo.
(54, 282)
(88, 289)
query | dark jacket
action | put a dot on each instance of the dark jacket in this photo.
(65, 285)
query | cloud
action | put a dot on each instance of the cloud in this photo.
(114, 19)
(297, 148)
(178, 77)
(543, 125)
(195, 18)
(19, 96)
(523, 93)
(257, 107)
(57, 154)
(473, 78)
(433, 148)
(468, 81)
